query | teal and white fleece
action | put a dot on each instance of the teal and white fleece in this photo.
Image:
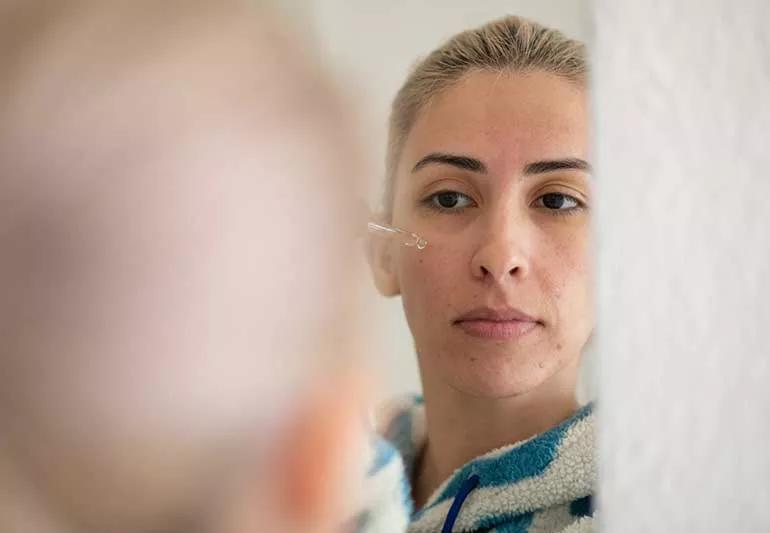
(543, 484)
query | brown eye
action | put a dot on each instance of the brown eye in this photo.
(449, 200)
(558, 202)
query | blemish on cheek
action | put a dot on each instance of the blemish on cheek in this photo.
(558, 347)
(541, 364)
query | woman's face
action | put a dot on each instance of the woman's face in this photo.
(494, 175)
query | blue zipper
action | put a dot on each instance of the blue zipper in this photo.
(468, 485)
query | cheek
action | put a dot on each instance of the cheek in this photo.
(429, 282)
(566, 280)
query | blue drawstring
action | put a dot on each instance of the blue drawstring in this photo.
(466, 488)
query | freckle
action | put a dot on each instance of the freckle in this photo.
(541, 364)
(474, 359)
(558, 347)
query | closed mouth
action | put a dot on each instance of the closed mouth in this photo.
(499, 324)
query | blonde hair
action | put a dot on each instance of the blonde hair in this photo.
(510, 43)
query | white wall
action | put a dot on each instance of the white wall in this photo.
(683, 104)
(370, 45)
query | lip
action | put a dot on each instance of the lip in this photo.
(498, 324)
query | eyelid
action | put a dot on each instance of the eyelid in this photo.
(450, 184)
(428, 202)
(446, 180)
(578, 201)
(562, 188)
(436, 194)
(581, 207)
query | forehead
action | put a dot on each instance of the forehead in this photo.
(506, 119)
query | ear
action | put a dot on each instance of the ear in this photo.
(381, 258)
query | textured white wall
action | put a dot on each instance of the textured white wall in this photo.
(682, 97)
(370, 45)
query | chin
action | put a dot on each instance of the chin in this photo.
(496, 375)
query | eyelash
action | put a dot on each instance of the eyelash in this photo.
(430, 203)
(579, 207)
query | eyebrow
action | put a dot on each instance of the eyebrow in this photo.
(570, 163)
(464, 162)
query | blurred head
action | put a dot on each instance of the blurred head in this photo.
(174, 226)
(487, 160)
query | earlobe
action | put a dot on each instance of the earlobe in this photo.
(379, 253)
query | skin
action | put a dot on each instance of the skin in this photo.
(165, 361)
(496, 243)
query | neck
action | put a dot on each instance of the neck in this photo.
(461, 427)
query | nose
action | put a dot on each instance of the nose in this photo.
(503, 253)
